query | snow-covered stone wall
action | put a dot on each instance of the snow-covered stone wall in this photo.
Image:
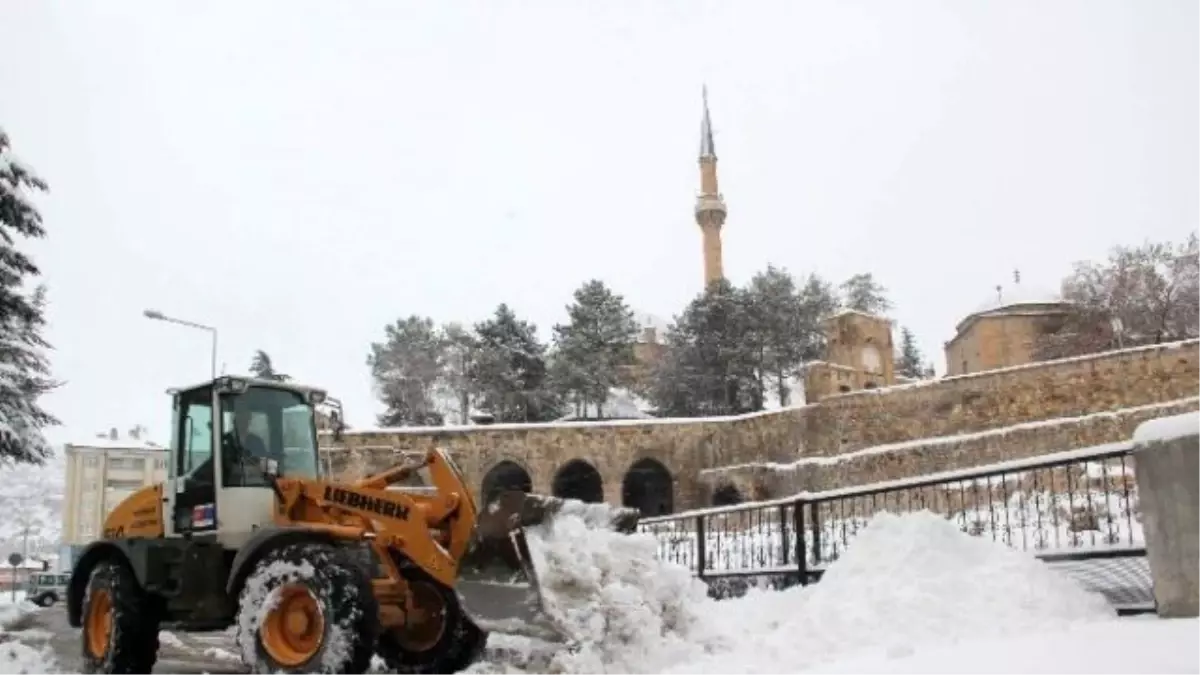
(849, 439)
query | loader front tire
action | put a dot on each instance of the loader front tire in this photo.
(307, 608)
(444, 640)
(120, 629)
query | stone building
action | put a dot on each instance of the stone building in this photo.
(858, 355)
(1001, 331)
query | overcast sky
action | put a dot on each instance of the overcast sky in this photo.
(299, 174)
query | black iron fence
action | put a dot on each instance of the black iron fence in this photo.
(1077, 509)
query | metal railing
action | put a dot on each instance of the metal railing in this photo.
(1073, 508)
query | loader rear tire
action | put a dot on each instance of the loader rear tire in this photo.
(307, 608)
(120, 628)
(448, 643)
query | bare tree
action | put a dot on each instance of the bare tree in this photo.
(1141, 295)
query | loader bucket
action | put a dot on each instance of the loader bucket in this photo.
(497, 578)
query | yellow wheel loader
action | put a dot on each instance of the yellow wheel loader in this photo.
(312, 574)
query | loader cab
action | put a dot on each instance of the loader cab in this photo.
(224, 432)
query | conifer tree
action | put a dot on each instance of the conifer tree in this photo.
(23, 361)
(510, 371)
(593, 347)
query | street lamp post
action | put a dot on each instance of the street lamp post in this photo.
(159, 316)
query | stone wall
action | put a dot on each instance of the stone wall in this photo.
(880, 434)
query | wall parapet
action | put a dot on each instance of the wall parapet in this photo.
(856, 437)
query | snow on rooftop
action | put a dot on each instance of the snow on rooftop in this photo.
(116, 444)
(1017, 295)
(1167, 428)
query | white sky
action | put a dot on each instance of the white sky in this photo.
(299, 174)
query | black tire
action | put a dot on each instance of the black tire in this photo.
(343, 595)
(132, 641)
(459, 645)
(42, 600)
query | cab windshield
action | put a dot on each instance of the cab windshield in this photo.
(267, 423)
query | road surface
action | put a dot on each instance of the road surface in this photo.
(196, 653)
(502, 609)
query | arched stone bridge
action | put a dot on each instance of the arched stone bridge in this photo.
(653, 467)
(659, 466)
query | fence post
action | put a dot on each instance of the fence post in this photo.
(1165, 470)
(783, 533)
(700, 552)
(801, 549)
(816, 532)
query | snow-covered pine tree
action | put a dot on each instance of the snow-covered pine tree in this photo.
(862, 293)
(406, 369)
(24, 366)
(593, 347)
(710, 368)
(510, 370)
(455, 388)
(909, 361)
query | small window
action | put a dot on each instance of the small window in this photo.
(195, 442)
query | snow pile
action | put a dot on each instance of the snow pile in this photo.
(625, 610)
(16, 657)
(14, 616)
(907, 582)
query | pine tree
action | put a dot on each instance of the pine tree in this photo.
(593, 347)
(23, 350)
(711, 363)
(510, 370)
(909, 361)
(818, 300)
(262, 368)
(862, 293)
(785, 325)
(455, 386)
(406, 369)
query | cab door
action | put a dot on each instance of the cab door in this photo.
(190, 492)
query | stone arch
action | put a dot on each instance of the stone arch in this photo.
(505, 475)
(649, 488)
(578, 479)
(727, 494)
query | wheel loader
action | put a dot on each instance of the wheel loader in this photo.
(313, 574)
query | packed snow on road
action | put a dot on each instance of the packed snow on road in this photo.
(913, 594)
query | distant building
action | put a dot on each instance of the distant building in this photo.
(858, 355)
(1001, 332)
(99, 474)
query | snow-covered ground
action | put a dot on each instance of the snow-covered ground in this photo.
(913, 593)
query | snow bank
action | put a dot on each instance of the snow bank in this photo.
(906, 582)
(14, 615)
(1167, 428)
(16, 657)
(625, 610)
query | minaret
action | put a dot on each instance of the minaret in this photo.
(710, 208)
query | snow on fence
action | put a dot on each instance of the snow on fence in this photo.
(1080, 501)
